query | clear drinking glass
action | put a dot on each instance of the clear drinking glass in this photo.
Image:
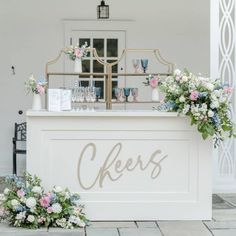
(136, 65)
(92, 96)
(144, 63)
(73, 97)
(134, 92)
(80, 96)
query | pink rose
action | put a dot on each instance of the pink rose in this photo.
(228, 89)
(49, 210)
(78, 52)
(153, 82)
(20, 193)
(44, 202)
(194, 95)
(40, 89)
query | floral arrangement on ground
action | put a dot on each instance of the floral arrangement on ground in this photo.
(206, 101)
(26, 204)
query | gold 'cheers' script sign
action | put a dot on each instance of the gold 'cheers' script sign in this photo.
(113, 168)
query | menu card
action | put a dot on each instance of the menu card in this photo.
(65, 99)
(54, 99)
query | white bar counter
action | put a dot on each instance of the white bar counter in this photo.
(126, 165)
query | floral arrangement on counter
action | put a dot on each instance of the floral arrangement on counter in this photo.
(204, 100)
(34, 86)
(153, 81)
(76, 52)
(26, 204)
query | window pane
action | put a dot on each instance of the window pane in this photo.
(98, 68)
(84, 83)
(112, 47)
(82, 42)
(85, 67)
(99, 45)
(100, 84)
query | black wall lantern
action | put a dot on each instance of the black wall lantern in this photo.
(103, 10)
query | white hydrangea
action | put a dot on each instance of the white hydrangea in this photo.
(14, 203)
(37, 189)
(209, 86)
(76, 220)
(210, 113)
(21, 215)
(186, 109)
(30, 202)
(185, 78)
(31, 218)
(177, 72)
(214, 104)
(56, 208)
(182, 98)
(217, 93)
(203, 108)
(222, 99)
(213, 97)
(61, 222)
(6, 191)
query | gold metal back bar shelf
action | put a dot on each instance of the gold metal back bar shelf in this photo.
(108, 75)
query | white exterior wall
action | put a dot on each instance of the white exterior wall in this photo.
(31, 33)
(223, 65)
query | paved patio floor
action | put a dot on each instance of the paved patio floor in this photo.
(223, 223)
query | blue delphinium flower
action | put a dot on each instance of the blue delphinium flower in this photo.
(216, 119)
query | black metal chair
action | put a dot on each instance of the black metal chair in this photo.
(19, 136)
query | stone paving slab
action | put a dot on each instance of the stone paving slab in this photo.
(224, 215)
(183, 228)
(219, 203)
(231, 198)
(146, 224)
(220, 224)
(225, 232)
(102, 232)
(5, 229)
(40, 234)
(113, 224)
(140, 232)
(9, 229)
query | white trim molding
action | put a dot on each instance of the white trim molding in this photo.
(223, 65)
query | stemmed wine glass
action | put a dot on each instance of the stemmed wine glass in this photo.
(136, 64)
(73, 97)
(144, 63)
(118, 92)
(81, 95)
(134, 92)
(126, 93)
(98, 93)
